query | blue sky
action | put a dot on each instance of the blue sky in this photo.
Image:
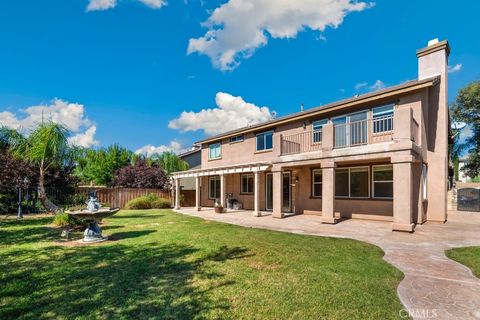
(128, 70)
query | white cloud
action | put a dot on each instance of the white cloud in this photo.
(237, 28)
(96, 5)
(71, 115)
(232, 113)
(85, 139)
(455, 68)
(99, 5)
(365, 86)
(149, 149)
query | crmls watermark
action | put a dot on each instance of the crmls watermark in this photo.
(418, 313)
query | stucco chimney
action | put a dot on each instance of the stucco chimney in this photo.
(433, 61)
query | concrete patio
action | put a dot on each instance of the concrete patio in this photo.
(434, 286)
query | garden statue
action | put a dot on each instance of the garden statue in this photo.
(92, 215)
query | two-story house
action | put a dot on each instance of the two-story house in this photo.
(381, 155)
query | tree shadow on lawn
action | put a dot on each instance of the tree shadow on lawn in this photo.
(34, 234)
(114, 281)
(129, 234)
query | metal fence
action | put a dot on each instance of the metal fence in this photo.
(468, 199)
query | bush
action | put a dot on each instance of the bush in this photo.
(150, 201)
(63, 219)
(161, 204)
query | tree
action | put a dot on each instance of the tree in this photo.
(46, 148)
(99, 166)
(141, 175)
(170, 162)
(466, 108)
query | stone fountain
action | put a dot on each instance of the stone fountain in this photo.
(93, 215)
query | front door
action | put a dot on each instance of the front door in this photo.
(286, 192)
(269, 192)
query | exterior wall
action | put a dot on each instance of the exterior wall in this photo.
(233, 185)
(194, 159)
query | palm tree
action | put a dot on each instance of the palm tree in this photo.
(46, 147)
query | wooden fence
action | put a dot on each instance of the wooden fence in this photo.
(118, 197)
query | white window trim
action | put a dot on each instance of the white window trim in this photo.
(349, 186)
(384, 181)
(318, 129)
(237, 141)
(424, 182)
(219, 144)
(209, 186)
(249, 176)
(314, 183)
(264, 141)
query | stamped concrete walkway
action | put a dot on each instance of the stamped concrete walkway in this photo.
(434, 286)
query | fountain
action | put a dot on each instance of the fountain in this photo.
(92, 215)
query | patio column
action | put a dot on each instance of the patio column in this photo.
(402, 194)
(277, 194)
(177, 193)
(197, 194)
(328, 192)
(222, 190)
(256, 194)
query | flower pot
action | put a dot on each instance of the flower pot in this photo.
(219, 209)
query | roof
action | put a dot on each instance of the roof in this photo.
(194, 149)
(403, 88)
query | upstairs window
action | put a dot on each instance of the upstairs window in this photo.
(215, 151)
(383, 118)
(247, 183)
(317, 130)
(265, 141)
(238, 138)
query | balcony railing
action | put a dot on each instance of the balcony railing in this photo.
(363, 132)
(306, 141)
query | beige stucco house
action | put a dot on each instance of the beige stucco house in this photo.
(381, 155)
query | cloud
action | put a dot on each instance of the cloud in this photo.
(99, 5)
(365, 86)
(237, 28)
(149, 149)
(231, 113)
(85, 139)
(71, 115)
(455, 68)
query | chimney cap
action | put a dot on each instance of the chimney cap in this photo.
(433, 46)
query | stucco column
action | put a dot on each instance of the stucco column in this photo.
(277, 194)
(402, 122)
(197, 194)
(328, 192)
(177, 193)
(222, 190)
(328, 137)
(402, 194)
(256, 194)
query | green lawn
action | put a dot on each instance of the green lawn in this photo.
(167, 266)
(469, 256)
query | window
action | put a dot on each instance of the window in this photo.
(359, 182)
(238, 138)
(317, 183)
(317, 130)
(265, 141)
(424, 181)
(341, 183)
(383, 118)
(382, 181)
(215, 151)
(352, 182)
(247, 183)
(214, 187)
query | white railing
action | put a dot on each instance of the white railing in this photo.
(363, 132)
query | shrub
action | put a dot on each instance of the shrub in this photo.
(139, 203)
(161, 204)
(150, 201)
(62, 219)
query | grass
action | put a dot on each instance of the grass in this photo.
(167, 266)
(468, 256)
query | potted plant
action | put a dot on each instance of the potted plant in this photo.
(218, 206)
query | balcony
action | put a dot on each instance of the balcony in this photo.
(345, 135)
